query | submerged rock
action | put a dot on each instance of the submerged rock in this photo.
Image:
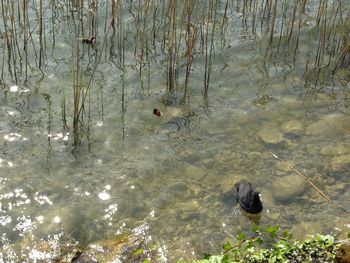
(122, 249)
(4, 127)
(344, 253)
(189, 210)
(288, 187)
(282, 168)
(58, 250)
(341, 163)
(293, 127)
(227, 187)
(335, 149)
(194, 172)
(306, 228)
(67, 218)
(329, 126)
(271, 134)
(68, 253)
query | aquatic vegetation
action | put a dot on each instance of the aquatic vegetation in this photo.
(174, 35)
(317, 248)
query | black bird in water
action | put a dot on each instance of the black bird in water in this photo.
(248, 198)
(89, 40)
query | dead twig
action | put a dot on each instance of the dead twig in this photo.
(294, 170)
(327, 197)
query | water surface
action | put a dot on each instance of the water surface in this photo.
(167, 178)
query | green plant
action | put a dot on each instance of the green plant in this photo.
(273, 245)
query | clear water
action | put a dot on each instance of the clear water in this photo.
(165, 177)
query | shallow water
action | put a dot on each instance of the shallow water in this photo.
(165, 178)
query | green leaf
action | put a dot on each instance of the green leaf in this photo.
(227, 246)
(155, 247)
(287, 234)
(272, 230)
(215, 259)
(206, 256)
(237, 253)
(283, 246)
(241, 236)
(226, 259)
(255, 228)
(328, 240)
(139, 252)
(259, 240)
(251, 249)
(272, 259)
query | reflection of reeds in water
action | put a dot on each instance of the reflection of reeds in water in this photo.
(178, 32)
(171, 68)
(41, 34)
(25, 37)
(77, 93)
(8, 38)
(191, 39)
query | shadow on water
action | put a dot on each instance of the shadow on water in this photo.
(239, 83)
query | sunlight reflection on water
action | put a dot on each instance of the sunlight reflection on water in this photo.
(13, 137)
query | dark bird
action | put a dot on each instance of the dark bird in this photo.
(157, 112)
(248, 199)
(91, 40)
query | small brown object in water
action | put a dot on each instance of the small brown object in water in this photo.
(157, 112)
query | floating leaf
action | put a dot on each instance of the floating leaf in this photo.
(287, 234)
